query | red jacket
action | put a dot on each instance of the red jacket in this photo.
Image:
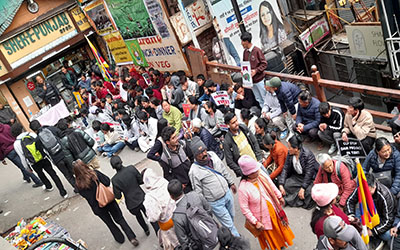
(157, 94)
(6, 141)
(111, 88)
(101, 93)
(278, 156)
(319, 226)
(257, 63)
(346, 184)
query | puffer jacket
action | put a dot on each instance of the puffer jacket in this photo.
(385, 206)
(308, 164)
(393, 164)
(309, 116)
(287, 95)
(210, 142)
(6, 141)
(231, 150)
(67, 148)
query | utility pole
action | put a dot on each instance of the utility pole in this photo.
(238, 16)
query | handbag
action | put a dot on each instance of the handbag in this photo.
(104, 195)
(384, 177)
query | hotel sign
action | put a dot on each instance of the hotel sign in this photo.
(37, 40)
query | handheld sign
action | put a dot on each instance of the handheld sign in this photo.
(246, 74)
(352, 148)
(221, 98)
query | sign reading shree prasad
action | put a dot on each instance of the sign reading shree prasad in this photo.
(38, 39)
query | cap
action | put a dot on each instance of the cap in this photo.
(197, 146)
(274, 82)
(324, 193)
(336, 228)
(248, 165)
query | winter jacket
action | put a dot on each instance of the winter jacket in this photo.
(319, 225)
(249, 200)
(150, 130)
(199, 113)
(88, 157)
(346, 184)
(51, 95)
(271, 105)
(364, 126)
(231, 150)
(18, 148)
(6, 114)
(356, 242)
(210, 142)
(393, 164)
(174, 118)
(211, 185)
(211, 122)
(335, 121)
(385, 205)
(69, 82)
(257, 62)
(128, 181)
(278, 156)
(181, 223)
(308, 164)
(6, 141)
(309, 116)
(287, 95)
(248, 101)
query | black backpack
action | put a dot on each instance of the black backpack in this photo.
(31, 153)
(77, 145)
(49, 141)
(348, 162)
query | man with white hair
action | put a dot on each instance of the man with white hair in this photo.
(331, 171)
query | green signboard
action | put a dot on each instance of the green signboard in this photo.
(136, 53)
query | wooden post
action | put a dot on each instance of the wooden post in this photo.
(320, 90)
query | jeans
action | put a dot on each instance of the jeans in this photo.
(224, 210)
(385, 236)
(259, 92)
(27, 175)
(112, 149)
(232, 50)
(137, 211)
(46, 166)
(133, 145)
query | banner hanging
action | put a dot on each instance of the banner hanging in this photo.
(99, 18)
(118, 48)
(136, 53)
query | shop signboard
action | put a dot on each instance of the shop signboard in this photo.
(3, 69)
(259, 18)
(366, 41)
(118, 48)
(314, 33)
(80, 18)
(99, 18)
(38, 39)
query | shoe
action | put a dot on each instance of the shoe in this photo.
(380, 246)
(49, 189)
(147, 232)
(137, 149)
(135, 242)
(283, 134)
(1, 211)
(332, 149)
(27, 180)
(65, 196)
(37, 185)
(104, 154)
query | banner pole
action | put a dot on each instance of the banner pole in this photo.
(238, 16)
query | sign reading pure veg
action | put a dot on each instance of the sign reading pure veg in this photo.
(36, 37)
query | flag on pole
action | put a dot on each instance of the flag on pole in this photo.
(103, 66)
(369, 216)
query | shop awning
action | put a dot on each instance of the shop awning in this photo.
(8, 9)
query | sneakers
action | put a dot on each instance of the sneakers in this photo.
(135, 242)
(65, 196)
(332, 149)
(147, 232)
(137, 149)
(27, 180)
(49, 189)
(380, 246)
(283, 134)
(37, 185)
(104, 154)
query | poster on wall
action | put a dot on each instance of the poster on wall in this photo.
(118, 48)
(314, 33)
(99, 18)
(131, 18)
(80, 19)
(157, 17)
(262, 18)
(136, 53)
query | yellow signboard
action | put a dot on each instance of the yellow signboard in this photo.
(80, 18)
(118, 48)
(3, 69)
(31, 40)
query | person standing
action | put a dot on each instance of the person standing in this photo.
(47, 91)
(68, 78)
(87, 181)
(7, 116)
(127, 180)
(261, 203)
(258, 65)
(210, 178)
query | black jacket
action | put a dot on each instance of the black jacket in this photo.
(88, 157)
(308, 164)
(385, 206)
(90, 193)
(128, 181)
(231, 150)
(51, 95)
(69, 85)
(248, 101)
(335, 121)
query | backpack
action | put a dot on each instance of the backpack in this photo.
(201, 224)
(49, 141)
(31, 153)
(348, 162)
(77, 145)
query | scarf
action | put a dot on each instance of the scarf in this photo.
(264, 183)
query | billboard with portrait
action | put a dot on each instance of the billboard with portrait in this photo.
(99, 18)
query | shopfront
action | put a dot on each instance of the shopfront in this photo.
(40, 47)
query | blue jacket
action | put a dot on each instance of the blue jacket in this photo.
(287, 95)
(393, 163)
(210, 142)
(310, 115)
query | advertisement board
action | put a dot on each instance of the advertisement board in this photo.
(99, 17)
(118, 48)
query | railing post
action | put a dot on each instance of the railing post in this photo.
(320, 90)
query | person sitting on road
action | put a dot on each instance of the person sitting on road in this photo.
(385, 205)
(277, 156)
(196, 110)
(324, 194)
(261, 127)
(147, 130)
(112, 141)
(328, 173)
(173, 115)
(358, 123)
(245, 98)
(131, 132)
(331, 125)
(213, 119)
(384, 163)
(308, 116)
(295, 181)
(395, 132)
(338, 235)
(249, 119)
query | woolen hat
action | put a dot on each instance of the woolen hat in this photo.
(274, 82)
(336, 228)
(197, 146)
(248, 165)
(324, 193)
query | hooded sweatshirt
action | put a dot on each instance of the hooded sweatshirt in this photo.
(6, 141)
